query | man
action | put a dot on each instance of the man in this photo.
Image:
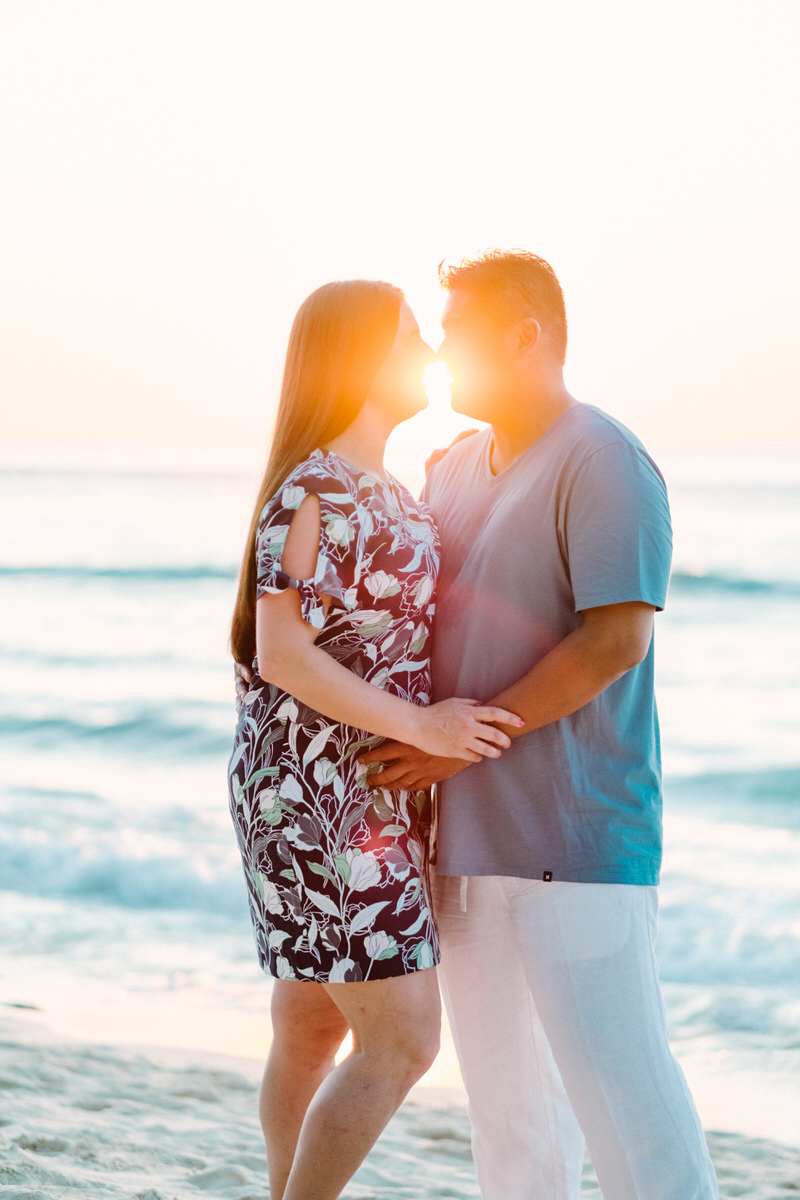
(556, 548)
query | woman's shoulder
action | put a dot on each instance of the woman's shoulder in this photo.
(322, 474)
(322, 467)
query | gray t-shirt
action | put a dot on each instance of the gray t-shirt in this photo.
(580, 520)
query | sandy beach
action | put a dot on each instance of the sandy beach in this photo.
(89, 1121)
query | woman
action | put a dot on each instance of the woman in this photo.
(334, 610)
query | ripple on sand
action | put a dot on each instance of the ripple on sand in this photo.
(111, 1125)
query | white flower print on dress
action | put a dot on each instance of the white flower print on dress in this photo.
(293, 497)
(380, 584)
(340, 969)
(287, 711)
(424, 956)
(272, 901)
(380, 945)
(364, 870)
(276, 539)
(370, 623)
(423, 590)
(340, 531)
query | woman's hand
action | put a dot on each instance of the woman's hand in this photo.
(462, 729)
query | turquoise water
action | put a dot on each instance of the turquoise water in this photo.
(116, 716)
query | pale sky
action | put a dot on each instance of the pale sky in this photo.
(178, 174)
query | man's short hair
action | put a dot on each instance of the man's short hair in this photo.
(514, 284)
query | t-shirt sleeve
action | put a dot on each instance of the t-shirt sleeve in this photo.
(336, 561)
(616, 529)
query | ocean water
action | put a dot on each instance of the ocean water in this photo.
(120, 881)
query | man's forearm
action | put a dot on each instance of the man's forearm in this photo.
(610, 641)
(572, 674)
(576, 670)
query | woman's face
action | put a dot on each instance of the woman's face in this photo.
(397, 388)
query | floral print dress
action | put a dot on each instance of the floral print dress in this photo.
(335, 870)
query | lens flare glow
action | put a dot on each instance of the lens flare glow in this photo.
(436, 380)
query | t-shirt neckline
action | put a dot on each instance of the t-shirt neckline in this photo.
(493, 480)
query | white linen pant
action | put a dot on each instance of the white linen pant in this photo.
(553, 999)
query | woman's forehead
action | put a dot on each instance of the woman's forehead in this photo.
(407, 322)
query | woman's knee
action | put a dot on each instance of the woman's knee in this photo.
(421, 1050)
(404, 1054)
(396, 1022)
(307, 1024)
(410, 1039)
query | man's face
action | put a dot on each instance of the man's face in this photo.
(476, 351)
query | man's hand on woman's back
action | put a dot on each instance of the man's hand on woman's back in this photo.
(241, 679)
(436, 456)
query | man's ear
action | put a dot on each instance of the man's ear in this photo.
(528, 331)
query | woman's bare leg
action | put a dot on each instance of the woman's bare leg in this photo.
(395, 1025)
(307, 1030)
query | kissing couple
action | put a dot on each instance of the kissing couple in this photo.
(492, 641)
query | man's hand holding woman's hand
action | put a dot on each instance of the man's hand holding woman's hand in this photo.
(406, 768)
(412, 767)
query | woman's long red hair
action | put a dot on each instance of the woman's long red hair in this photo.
(340, 337)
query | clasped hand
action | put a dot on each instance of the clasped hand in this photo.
(405, 768)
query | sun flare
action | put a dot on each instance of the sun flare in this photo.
(436, 380)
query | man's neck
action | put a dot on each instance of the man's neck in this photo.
(534, 415)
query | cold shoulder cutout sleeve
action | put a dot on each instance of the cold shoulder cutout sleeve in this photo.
(335, 573)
